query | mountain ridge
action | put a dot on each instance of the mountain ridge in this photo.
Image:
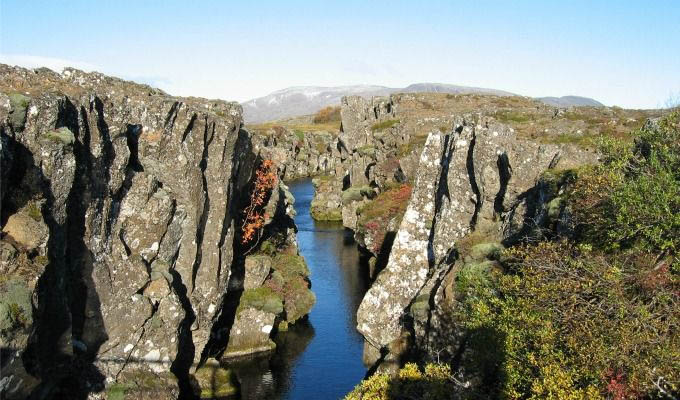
(303, 100)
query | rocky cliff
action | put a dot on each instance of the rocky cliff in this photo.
(123, 258)
(478, 179)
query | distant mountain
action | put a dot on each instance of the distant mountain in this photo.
(445, 88)
(304, 100)
(569, 101)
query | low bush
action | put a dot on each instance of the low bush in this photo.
(326, 115)
(594, 316)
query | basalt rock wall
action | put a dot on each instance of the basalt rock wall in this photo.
(120, 212)
(480, 179)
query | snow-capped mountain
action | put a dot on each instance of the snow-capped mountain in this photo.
(304, 100)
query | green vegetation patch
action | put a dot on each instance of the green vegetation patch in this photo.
(18, 108)
(61, 135)
(290, 265)
(33, 211)
(592, 315)
(433, 382)
(381, 126)
(513, 116)
(262, 298)
(357, 193)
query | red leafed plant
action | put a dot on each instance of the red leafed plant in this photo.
(617, 388)
(266, 179)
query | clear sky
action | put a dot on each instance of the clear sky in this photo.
(621, 52)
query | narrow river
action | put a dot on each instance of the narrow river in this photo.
(319, 358)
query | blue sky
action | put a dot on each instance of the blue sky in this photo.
(623, 53)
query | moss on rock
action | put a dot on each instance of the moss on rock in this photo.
(290, 265)
(19, 108)
(325, 214)
(262, 298)
(357, 193)
(481, 251)
(61, 135)
(214, 381)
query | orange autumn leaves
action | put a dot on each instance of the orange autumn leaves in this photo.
(266, 179)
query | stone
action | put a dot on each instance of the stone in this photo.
(133, 190)
(250, 333)
(25, 231)
(380, 311)
(257, 269)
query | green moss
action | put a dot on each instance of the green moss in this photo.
(299, 134)
(357, 193)
(262, 298)
(116, 391)
(481, 251)
(216, 382)
(283, 326)
(19, 108)
(134, 384)
(61, 135)
(268, 248)
(6, 320)
(33, 211)
(555, 207)
(513, 116)
(381, 126)
(326, 214)
(290, 265)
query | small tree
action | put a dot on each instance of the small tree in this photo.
(266, 179)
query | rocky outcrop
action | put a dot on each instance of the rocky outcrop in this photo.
(381, 309)
(479, 178)
(121, 210)
(300, 154)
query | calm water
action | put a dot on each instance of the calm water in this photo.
(319, 358)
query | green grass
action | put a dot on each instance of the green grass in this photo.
(513, 116)
(381, 126)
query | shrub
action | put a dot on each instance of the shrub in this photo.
(632, 201)
(434, 382)
(327, 114)
(595, 315)
(266, 179)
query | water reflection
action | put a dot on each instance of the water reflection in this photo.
(319, 358)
